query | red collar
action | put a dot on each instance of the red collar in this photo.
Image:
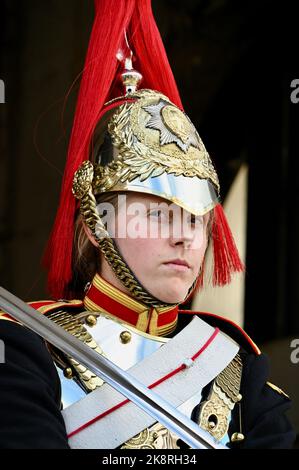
(103, 296)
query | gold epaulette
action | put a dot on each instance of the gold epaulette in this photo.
(46, 306)
(4, 316)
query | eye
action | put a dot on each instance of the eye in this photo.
(155, 213)
(195, 219)
(158, 214)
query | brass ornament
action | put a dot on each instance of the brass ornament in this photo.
(229, 380)
(125, 337)
(214, 416)
(83, 178)
(237, 437)
(155, 437)
(68, 373)
(144, 440)
(91, 320)
(152, 137)
(173, 125)
(225, 393)
(130, 79)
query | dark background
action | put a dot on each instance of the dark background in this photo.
(234, 62)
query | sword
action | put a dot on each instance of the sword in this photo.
(126, 384)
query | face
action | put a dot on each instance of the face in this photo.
(163, 245)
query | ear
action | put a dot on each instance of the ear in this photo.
(90, 235)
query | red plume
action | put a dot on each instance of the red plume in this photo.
(111, 20)
(151, 57)
(226, 256)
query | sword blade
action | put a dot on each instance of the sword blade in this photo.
(149, 401)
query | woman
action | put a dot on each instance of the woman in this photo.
(133, 247)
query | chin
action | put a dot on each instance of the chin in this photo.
(172, 296)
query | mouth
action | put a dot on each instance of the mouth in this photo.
(178, 265)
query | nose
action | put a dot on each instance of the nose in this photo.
(181, 234)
